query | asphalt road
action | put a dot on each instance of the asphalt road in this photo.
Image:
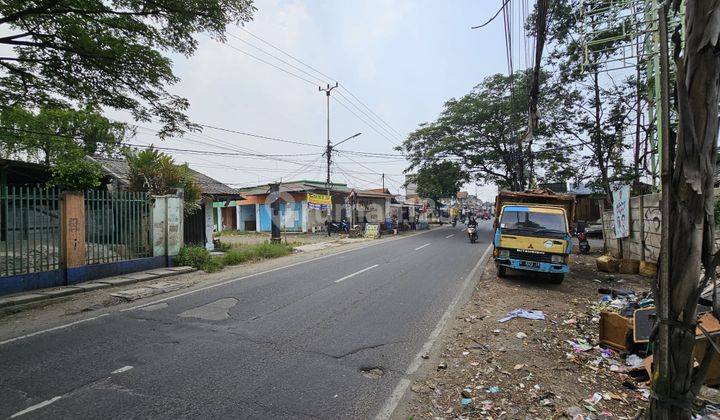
(290, 343)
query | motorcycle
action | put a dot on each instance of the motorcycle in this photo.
(472, 234)
(584, 244)
(339, 227)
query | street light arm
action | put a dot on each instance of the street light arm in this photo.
(343, 141)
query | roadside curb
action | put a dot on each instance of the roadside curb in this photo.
(11, 301)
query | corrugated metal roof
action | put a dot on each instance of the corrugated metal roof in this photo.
(295, 186)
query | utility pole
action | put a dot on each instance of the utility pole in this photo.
(383, 181)
(328, 149)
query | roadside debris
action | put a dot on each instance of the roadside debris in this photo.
(524, 313)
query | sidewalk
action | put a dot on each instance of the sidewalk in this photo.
(40, 295)
(525, 368)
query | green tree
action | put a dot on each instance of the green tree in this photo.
(157, 173)
(61, 138)
(608, 111)
(479, 133)
(111, 53)
(439, 180)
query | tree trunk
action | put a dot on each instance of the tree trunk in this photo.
(691, 207)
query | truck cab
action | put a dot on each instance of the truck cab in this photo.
(532, 237)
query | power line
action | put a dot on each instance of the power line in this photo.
(259, 136)
(493, 16)
(385, 130)
(288, 54)
(364, 121)
(375, 117)
(371, 111)
(278, 58)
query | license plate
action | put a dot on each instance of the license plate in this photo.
(532, 264)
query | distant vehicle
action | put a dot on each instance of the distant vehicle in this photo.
(533, 232)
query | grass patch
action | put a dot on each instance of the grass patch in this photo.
(256, 252)
(237, 257)
(200, 258)
(270, 250)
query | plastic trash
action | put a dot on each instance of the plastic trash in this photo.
(524, 313)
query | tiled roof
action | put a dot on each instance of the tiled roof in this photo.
(119, 169)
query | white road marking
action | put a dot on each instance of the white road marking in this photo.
(59, 327)
(121, 370)
(356, 273)
(35, 407)
(450, 236)
(392, 402)
(212, 286)
(422, 246)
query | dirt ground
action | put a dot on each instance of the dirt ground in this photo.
(526, 368)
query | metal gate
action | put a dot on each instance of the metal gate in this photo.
(117, 226)
(29, 230)
(194, 227)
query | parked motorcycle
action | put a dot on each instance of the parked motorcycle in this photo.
(584, 244)
(472, 234)
(339, 227)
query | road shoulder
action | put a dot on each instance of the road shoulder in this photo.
(523, 367)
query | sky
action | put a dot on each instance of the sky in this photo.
(402, 59)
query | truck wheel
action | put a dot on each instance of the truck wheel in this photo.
(557, 278)
(502, 271)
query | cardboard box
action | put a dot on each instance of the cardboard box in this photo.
(607, 264)
(629, 266)
(615, 330)
(647, 269)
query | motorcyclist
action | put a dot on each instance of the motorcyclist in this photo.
(472, 222)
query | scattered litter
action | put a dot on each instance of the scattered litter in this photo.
(521, 335)
(466, 393)
(634, 361)
(594, 398)
(493, 390)
(570, 321)
(518, 366)
(580, 345)
(441, 366)
(524, 313)
(466, 401)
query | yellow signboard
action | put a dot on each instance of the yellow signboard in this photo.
(318, 199)
(372, 230)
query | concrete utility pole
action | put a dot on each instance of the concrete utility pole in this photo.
(275, 213)
(328, 150)
(383, 182)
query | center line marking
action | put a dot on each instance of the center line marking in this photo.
(356, 273)
(423, 246)
(450, 236)
(35, 407)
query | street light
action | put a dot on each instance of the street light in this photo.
(351, 137)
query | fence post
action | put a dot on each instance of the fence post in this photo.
(72, 230)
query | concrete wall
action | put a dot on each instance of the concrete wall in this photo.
(644, 240)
